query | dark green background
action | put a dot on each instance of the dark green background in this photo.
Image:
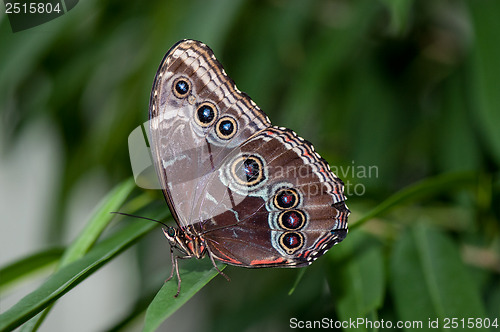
(410, 87)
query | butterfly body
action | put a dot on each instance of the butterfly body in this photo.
(242, 191)
(188, 243)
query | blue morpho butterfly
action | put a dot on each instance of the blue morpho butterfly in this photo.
(242, 191)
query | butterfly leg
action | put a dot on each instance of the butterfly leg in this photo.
(215, 265)
(178, 274)
(179, 280)
(175, 266)
(174, 263)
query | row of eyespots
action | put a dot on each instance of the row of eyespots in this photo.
(290, 219)
(206, 113)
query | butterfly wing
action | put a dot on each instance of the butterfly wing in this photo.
(258, 195)
(291, 207)
(197, 117)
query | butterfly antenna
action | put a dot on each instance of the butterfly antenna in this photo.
(131, 215)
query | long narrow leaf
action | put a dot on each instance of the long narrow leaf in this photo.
(298, 278)
(425, 188)
(98, 222)
(69, 276)
(94, 228)
(28, 266)
(429, 280)
(195, 274)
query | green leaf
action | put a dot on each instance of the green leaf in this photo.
(195, 274)
(69, 276)
(422, 189)
(486, 72)
(28, 266)
(429, 280)
(357, 277)
(300, 274)
(98, 222)
(94, 228)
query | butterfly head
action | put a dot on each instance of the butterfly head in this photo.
(172, 235)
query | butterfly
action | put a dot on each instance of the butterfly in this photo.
(242, 191)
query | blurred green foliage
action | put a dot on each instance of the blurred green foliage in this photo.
(409, 88)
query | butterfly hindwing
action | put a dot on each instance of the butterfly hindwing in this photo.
(290, 210)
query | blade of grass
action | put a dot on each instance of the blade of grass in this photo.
(94, 228)
(427, 187)
(297, 281)
(28, 266)
(195, 274)
(72, 274)
(98, 222)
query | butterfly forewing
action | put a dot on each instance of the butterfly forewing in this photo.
(195, 129)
